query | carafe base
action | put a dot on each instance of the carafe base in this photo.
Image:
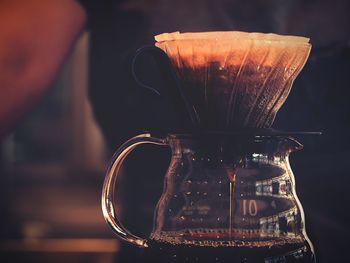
(177, 253)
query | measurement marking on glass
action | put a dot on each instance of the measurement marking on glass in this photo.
(252, 207)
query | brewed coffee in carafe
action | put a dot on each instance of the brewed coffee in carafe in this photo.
(229, 192)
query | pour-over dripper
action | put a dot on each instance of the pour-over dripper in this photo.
(235, 79)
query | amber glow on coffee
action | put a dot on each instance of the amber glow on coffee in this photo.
(235, 79)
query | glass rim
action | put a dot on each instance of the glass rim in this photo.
(244, 132)
(231, 36)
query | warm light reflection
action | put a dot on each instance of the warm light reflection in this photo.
(235, 79)
(61, 245)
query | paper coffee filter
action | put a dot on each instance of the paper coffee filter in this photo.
(222, 35)
(235, 79)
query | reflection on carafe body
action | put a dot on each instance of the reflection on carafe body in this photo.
(226, 198)
(224, 195)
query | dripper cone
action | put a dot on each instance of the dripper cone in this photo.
(235, 79)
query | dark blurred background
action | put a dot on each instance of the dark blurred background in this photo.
(53, 164)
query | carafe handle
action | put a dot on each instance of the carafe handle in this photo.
(108, 205)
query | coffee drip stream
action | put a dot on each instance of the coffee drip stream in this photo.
(229, 184)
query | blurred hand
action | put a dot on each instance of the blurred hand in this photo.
(35, 38)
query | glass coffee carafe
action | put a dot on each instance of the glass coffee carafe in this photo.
(229, 192)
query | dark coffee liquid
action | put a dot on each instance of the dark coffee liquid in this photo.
(234, 96)
(177, 253)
